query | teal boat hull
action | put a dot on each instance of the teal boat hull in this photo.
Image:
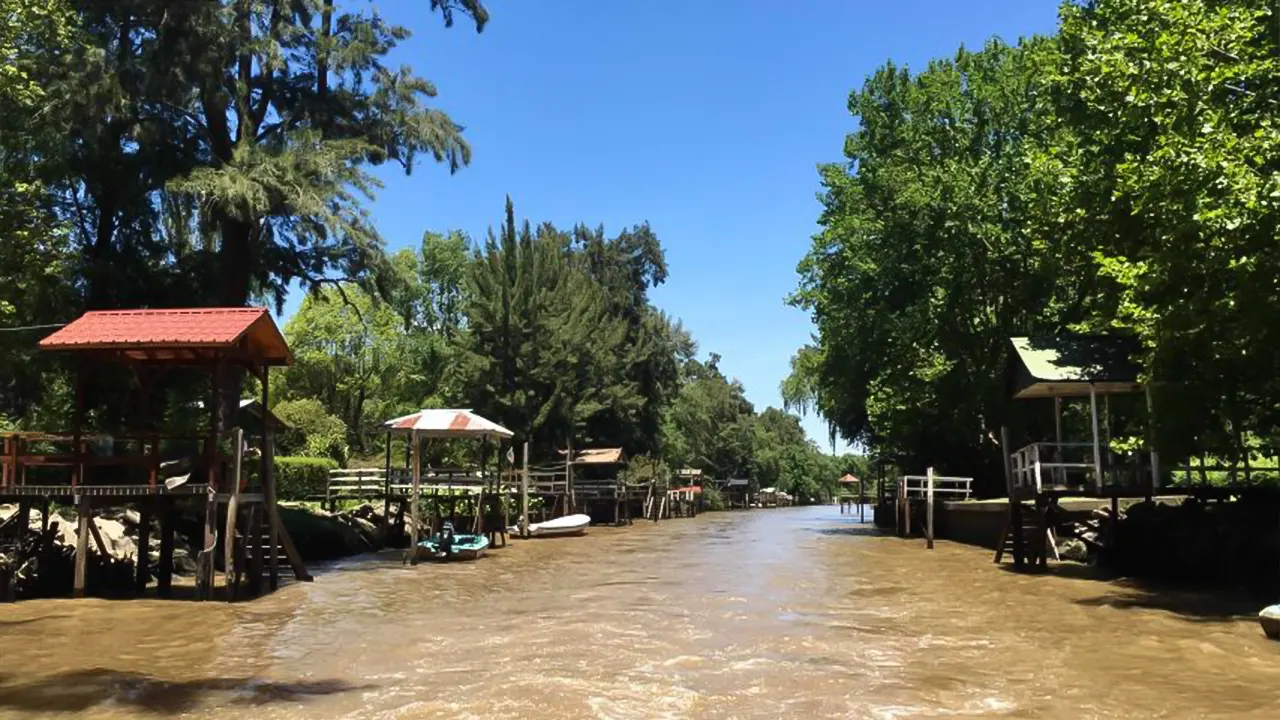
(465, 547)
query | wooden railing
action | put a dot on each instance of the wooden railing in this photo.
(22, 452)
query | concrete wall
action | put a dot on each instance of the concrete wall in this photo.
(981, 522)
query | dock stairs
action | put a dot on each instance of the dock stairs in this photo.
(1034, 528)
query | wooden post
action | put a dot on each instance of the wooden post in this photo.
(413, 507)
(524, 493)
(164, 573)
(386, 492)
(1106, 430)
(905, 491)
(205, 563)
(1015, 503)
(1097, 443)
(142, 563)
(82, 546)
(233, 514)
(77, 430)
(568, 474)
(929, 508)
(504, 493)
(269, 488)
(255, 548)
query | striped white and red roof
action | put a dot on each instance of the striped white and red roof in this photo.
(447, 424)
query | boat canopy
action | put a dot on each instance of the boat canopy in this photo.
(434, 423)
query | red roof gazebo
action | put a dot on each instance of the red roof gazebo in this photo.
(151, 341)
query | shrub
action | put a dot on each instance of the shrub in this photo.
(300, 478)
(311, 430)
(712, 498)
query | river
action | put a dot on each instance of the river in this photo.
(794, 612)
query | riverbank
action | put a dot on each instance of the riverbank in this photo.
(781, 613)
(46, 570)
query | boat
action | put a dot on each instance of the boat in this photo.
(448, 545)
(567, 525)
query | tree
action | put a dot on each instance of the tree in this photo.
(353, 357)
(36, 264)
(1177, 109)
(543, 352)
(229, 141)
(626, 267)
(930, 258)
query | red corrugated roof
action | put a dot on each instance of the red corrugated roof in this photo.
(213, 328)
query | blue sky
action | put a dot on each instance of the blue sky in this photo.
(705, 118)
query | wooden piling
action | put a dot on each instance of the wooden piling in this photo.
(233, 515)
(255, 549)
(524, 492)
(205, 562)
(164, 573)
(82, 547)
(906, 507)
(413, 508)
(142, 566)
(928, 510)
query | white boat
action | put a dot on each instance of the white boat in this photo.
(567, 525)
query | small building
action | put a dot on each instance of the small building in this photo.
(736, 492)
(153, 468)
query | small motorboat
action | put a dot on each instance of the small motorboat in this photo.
(448, 545)
(567, 525)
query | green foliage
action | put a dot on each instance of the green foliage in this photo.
(713, 499)
(312, 431)
(544, 352)
(302, 478)
(1119, 177)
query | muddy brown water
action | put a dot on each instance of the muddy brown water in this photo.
(770, 613)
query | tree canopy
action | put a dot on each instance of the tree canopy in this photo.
(1118, 177)
(157, 154)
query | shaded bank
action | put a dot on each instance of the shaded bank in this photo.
(1231, 546)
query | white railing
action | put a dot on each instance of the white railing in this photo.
(918, 486)
(1073, 467)
(1057, 466)
(929, 487)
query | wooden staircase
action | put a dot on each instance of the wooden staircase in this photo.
(1034, 528)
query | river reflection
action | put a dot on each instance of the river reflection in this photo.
(771, 613)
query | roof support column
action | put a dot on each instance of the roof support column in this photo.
(1059, 473)
(413, 506)
(1097, 446)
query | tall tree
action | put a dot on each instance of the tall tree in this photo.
(228, 142)
(930, 256)
(1176, 107)
(544, 351)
